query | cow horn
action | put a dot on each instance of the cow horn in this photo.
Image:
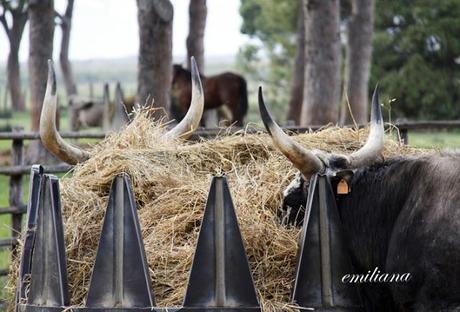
(49, 135)
(191, 121)
(303, 159)
(373, 147)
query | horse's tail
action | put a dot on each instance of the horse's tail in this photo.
(243, 98)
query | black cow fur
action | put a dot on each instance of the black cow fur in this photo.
(403, 215)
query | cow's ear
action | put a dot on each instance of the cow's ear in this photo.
(342, 181)
(87, 105)
(346, 175)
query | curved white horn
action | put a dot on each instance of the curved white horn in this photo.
(373, 147)
(303, 159)
(191, 121)
(49, 135)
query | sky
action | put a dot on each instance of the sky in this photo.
(107, 29)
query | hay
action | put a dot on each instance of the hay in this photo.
(171, 182)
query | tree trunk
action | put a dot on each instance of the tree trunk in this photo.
(197, 25)
(155, 19)
(322, 62)
(19, 20)
(66, 67)
(41, 17)
(195, 47)
(295, 103)
(14, 80)
(359, 54)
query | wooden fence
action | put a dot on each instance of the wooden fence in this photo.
(17, 170)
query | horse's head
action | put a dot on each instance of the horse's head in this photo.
(179, 75)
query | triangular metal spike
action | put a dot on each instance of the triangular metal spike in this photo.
(220, 275)
(25, 265)
(323, 256)
(120, 277)
(48, 285)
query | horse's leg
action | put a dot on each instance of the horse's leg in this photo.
(239, 103)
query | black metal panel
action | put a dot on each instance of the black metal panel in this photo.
(32, 308)
(220, 276)
(323, 256)
(120, 275)
(243, 309)
(48, 285)
(29, 237)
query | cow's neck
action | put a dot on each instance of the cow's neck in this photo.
(369, 212)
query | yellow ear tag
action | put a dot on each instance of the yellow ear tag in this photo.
(342, 187)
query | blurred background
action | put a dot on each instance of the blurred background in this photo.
(411, 48)
(318, 62)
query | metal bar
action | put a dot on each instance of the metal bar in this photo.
(8, 242)
(410, 125)
(15, 190)
(219, 237)
(25, 266)
(4, 272)
(28, 135)
(25, 169)
(404, 136)
(14, 209)
(324, 228)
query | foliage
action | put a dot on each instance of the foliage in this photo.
(270, 55)
(417, 57)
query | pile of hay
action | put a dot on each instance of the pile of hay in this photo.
(171, 183)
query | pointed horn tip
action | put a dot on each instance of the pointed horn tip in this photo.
(376, 113)
(52, 77)
(264, 113)
(196, 75)
(195, 70)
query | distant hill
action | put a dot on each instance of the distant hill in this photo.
(98, 71)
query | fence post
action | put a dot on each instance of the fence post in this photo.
(404, 135)
(15, 195)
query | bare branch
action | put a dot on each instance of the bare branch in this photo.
(4, 22)
(22, 6)
(58, 15)
(6, 5)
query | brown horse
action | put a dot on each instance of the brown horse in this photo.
(227, 89)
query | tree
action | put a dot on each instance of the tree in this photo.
(195, 47)
(66, 67)
(270, 58)
(17, 10)
(155, 19)
(416, 57)
(195, 38)
(41, 23)
(295, 103)
(322, 62)
(358, 60)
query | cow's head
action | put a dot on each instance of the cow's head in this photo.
(311, 162)
(77, 105)
(71, 154)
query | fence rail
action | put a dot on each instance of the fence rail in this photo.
(17, 169)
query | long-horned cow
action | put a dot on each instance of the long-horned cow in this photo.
(110, 115)
(71, 154)
(402, 215)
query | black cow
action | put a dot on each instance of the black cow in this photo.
(402, 215)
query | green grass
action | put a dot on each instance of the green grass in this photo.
(435, 139)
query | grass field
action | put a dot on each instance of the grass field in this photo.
(436, 140)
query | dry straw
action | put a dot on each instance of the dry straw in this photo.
(171, 182)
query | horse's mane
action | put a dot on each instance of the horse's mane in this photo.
(180, 71)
